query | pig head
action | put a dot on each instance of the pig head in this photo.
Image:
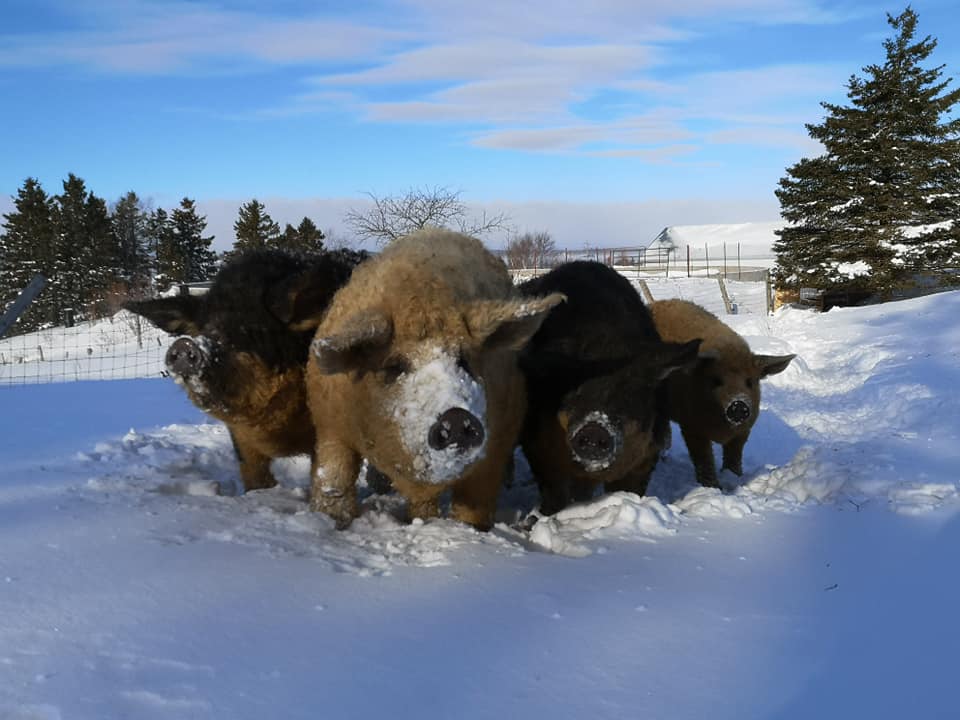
(607, 425)
(427, 389)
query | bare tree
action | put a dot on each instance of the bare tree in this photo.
(394, 216)
(531, 251)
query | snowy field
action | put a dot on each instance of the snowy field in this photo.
(134, 583)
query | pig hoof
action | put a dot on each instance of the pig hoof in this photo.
(339, 508)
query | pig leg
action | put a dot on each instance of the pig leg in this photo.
(333, 482)
(254, 465)
(635, 481)
(701, 453)
(733, 455)
(475, 496)
(554, 494)
(582, 490)
(423, 501)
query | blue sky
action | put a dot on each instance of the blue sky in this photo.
(616, 114)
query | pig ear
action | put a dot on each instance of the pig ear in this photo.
(508, 324)
(178, 315)
(772, 364)
(358, 345)
(300, 302)
(677, 356)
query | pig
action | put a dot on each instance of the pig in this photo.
(415, 367)
(717, 400)
(245, 346)
(595, 369)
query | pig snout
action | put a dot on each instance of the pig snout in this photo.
(456, 428)
(737, 412)
(595, 442)
(184, 357)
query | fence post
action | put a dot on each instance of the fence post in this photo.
(17, 307)
(724, 259)
(706, 254)
(726, 298)
(645, 290)
(769, 293)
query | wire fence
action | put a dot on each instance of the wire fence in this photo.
(725, 260)
(113, 348)
(127, 346)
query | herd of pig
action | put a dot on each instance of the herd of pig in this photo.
(429, 363)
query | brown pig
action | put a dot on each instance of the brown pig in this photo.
(244, 346)
(415, 367)
(718, 399)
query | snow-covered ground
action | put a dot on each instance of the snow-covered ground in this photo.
(134, 583)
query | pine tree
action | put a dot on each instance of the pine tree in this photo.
(199, 261)
(306, 237)
(167, 259)
(100, 258)
(81, 249)
(878, 207)
(129, 219)
(254, 228)
(26, 249)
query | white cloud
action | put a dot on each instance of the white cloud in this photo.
(144, 37)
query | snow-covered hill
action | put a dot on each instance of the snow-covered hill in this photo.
(134, 583)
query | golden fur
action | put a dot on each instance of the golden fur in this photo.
(434, 289)
(268, 418)
(699, 397)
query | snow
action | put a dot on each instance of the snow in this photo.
(755, 240)
(135, 581)
(435, 385)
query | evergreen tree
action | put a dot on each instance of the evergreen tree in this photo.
(306, 237)
(879, 205)
(129, 219)
(85, 258)
(168, 260)
(199, 262)
(254, 228)
(26, 249)
(100, 257)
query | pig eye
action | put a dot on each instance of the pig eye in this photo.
(750, 383)
(716, 382)
(464, 365)
(393, 368)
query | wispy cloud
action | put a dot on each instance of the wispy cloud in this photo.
(514, 78)
(161, 38)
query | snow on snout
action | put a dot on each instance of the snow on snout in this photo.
(424, 395)
(604, 421)
(196, 383)
(745, 399)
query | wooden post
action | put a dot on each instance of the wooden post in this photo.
(25, 297)
(769, 293)
(645, 290)
(706, 254)
(724, 259)
(688, 261)
(738, 261)
(723, 294)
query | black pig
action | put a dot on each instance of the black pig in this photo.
(597, 407)
(245, 345)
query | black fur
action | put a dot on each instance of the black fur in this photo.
(599, 352)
